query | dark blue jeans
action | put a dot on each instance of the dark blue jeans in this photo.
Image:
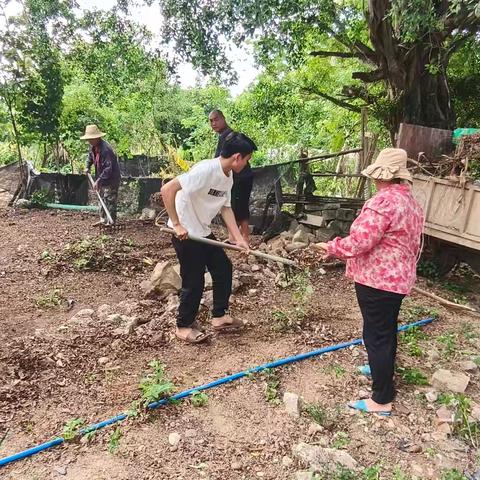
(194, 257)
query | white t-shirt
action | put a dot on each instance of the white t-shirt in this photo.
(205, 190)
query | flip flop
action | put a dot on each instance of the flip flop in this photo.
(365, 370)
(194, 336)
(361, 405)
(235, 326)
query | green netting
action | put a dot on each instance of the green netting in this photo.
(461, 132)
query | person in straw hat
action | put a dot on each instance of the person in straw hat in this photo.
(381, 254)
(107, 170)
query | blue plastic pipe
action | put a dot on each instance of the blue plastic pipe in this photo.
(186, 393)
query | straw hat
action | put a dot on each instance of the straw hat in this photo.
(391, 163)
(91, 132)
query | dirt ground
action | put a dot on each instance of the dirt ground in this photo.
(55, 369)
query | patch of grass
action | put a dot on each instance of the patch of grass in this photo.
(453, 474)
(411, 339)
(317, 413)
(430, 452)
(52, 299)
(411, 312)
(335, 369)
(412, 376)
(47, 256)
(89, 436)
(463, 427)
(72, 428)
(399, 475)
(448, 342)
(455, 287)
(114, 441)
(468, 331)
(340, 440)
(281, 322)
(41, 197)
(199, 399)
(272, 387)
(154, 386)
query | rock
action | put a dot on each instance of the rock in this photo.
(114, 318)
(174, 439)
(208, 299)
(433, 355)
(281, 280)
(442, 432)
(255, 267)
(163, 281)
(128, 307)
(276, 246)
(468, 366)
(148, 214)
(172, 303)
(314, 428)
(190, 433)
(444, 415)
(292, 247)
(301, 235)
(453, 381)
(23, 203)
(292, 404)
(86, 312)
(329, 215)
(318, 457)
(304, 475)
(475, 411)
(236, 466)
(60, 470)
(322, 271)
(346, 214)
(252, 291)
(362, 394)
(103, 311)
(431, 396)
(287, 461)
(293, 226)
(236, 285)
(102, 360)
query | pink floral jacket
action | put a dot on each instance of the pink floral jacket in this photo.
(384, 241)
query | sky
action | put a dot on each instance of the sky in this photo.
(150, 16)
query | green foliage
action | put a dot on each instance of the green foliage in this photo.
(448, 342)
(336, 370)
(453, 474)
(53, 299)
(464, 426)
(340, 440)
(199, 399)
(412, 376)
(72, 428)
(317, 413)
(41, 197)
(114, 441)
(154, 386)
(411, 339)
(427, 268)
(272, 385)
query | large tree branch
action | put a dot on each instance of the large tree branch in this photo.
(323, 54)
(369, 77)
(336, 101)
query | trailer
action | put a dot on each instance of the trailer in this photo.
(452, 220)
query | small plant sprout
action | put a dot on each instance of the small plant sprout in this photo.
(154, 386)
(114, 441)
(72, 428)
(199, 399)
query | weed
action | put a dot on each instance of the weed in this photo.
(428, 269)
(455, 287)
(453, 474)
(199, 399)
(282, 323)
(335, 369)
(372, 473)
(155, 386)
(134, 410)
(399, 475)
(47, 256)
(411, 337)
(271, 387)
(52, 299)
(71, 428)
(89, 436)
(412, 376)
(114, 441)
(341, 440)
(40, 198)
(90, 378)
(412, 312)
(463, 427)
(468, 331)
(449, 343)
(476, 360)
(316, 412)
(430, 452)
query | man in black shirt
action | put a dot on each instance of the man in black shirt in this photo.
(242, 181)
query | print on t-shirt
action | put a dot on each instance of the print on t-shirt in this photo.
(217, 193)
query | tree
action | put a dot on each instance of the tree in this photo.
(404, 45)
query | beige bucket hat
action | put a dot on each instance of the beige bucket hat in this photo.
(391, 163)
(91, 132)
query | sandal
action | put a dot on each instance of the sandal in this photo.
(194, 336)
(361, 405)
(365, 370)
(234, 326)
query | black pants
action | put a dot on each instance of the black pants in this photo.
(193, 258)
(380, 311)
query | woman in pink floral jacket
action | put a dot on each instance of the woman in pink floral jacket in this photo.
(381, 253)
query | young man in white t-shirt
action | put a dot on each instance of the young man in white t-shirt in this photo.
(192, 201)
